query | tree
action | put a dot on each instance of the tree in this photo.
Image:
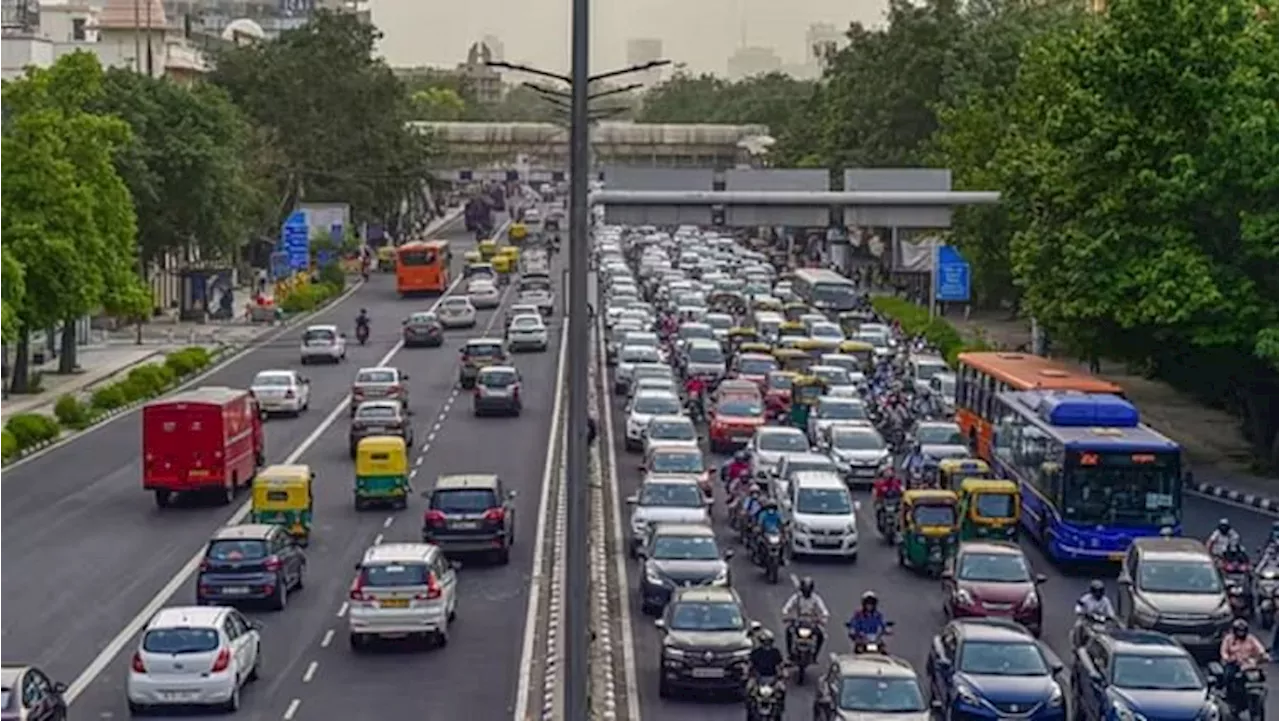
(67, 214)
(12, 291)
(437, 103)
(342, 134)
(770, 100)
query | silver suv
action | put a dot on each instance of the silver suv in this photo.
(402, 589)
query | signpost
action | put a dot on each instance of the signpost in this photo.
(295, 240)
(950, 276)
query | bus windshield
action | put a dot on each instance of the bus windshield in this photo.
(417, 257)
(834, 295)
(1116, 490)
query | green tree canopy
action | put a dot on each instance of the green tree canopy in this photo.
(771, 100)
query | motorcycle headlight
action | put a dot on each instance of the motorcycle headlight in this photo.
(1055, 695)
(1147, 616)
(853, 529)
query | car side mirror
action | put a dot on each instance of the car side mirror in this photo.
(455, 565)
(1041, 578)
(512, 493)
(358, 566)
(404, 376)
(936, 706)
(342, 335)
(425, 494)
(890, 624)
(640, 467)
(660, 624)
(59, 687)
(256, 625)
(728, 554)
(404, 322)
(633, 500)
(709, 501)
(1124, 580)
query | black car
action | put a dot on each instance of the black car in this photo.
(679, 555)
(250, 562)
(379, 418)
(423, 330)
(706, 642)
(471, 514)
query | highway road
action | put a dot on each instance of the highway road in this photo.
(85, 549)
(913, 601)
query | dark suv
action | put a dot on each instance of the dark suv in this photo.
(476, 354)
(1173, 586)
(471, 514)
(707, 641)
(379, 418)
(250, 562)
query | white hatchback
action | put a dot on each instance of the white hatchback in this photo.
(194, 656)
(527, 332)
(323, 343)
(457, 312)
(484, 294)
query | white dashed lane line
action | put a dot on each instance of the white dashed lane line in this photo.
(292, 710)
(310, 672)
(342, 610)
(377, 540)
(390, 520)
(328, 639)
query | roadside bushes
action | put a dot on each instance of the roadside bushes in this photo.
(915, 321)
(307, 297)
(27, 430)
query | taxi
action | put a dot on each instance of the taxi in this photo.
(733, 420)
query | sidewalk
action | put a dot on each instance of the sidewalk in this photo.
(1219, 456)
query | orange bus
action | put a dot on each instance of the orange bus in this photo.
(980, 376)
(423, 267)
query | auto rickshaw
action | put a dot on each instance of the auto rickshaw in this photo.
(472, 257)
(928, 529)
(864, 352)
(851, 320)
(517, 233)
(754, 347)
(989, 508)
(952, 471)
(793, 311)
(504, 263)
(766, 305)
(387, 259)
(282, 496)
(805, 392)
(793, 359)
(792, 329)
(488, 249)
(815, 348)
(736, 337)
(382, 472)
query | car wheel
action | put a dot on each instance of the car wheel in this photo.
(664, 689)
(257, 663)
(356, 641)
(137, 709)
(228, 494)
(163, 498)
(442, 638)
(281, 597)
(233, 704)
(504, 556)
(305, 360)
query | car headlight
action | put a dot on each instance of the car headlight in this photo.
(1209, 712)
(967, 695)
(1124, 713)
(742, 653)
(672, 652)
(1031, 601)
(1145, 615)
(722, 578)
(1055, 695)
(852, 529)
(799, 527)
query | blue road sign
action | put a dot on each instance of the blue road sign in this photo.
(295, 240)
(951, 276)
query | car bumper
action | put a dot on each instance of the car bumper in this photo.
(484, 302)
(458, 321)
(1199, 639)
(427, 339)
(235, 590)
(809, 544)
(280, 405)
(486, 405)
(528, 342)
(392, 623)
(681, 674)
(180, 690)
(329, 354)
(961, 710)
(1031, 619)
(467, 544)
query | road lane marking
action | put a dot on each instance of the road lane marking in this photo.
(620, 558)
(413, 473)
(311, 671)
(377, 540)
(342, 610)
(328, 639)
(539, 541)
(293, 709)
(417, 461)
(390, 520)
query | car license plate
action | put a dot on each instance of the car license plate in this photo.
(376, 429)
(466, 525)
(707, 673)
(394, 603)
(180, 696)
(741, 438)
(235, 590)
(998, 606)
(197, 474)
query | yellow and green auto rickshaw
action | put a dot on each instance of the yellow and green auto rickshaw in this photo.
(736, 337)
(864, 352)
(792, 329)
(282, 496)
(761, 304)
(754, 347)
(382, 472)
(517, 233)
(793, 311)
(488, 249)
(928, 529)
(805, 392)
(989, 508)
(793, 359)
(951, 471)
(503, 263)
(815, 348)
(387, 259)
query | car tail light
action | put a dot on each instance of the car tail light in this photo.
(273, 563)
(357, 392)
(433, 587)
(395, 390)
(222, 661)
(434, 518)
(495, 515)
(356, 593)
(137, 665)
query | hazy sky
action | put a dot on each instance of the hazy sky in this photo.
(700, 33)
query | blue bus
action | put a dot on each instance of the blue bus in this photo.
(1093, 478)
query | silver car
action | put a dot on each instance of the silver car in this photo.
(665, 499)
(628, 358)
(675, 429)
(457, 312)
(323, 343)
(642, 409)
(859, 452)
(771, 444)
(194, 656)
(836, 411)
(281, 391)
(704, 358)
(939, 440)
(402, 589)
(823, 522)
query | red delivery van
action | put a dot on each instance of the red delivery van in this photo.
(205, 440)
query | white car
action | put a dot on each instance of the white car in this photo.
(527, 331)
(859, 451)
(672, 430)
(281, 392)
(822, 516)
(828, 335)
(665, 499)
(771, 444)
(836, 411)
(323, 343)
(642, 409)
(484, 294)
(456, 311)
(193, 656)
(402, 589)
(838, 380)
(628, 359)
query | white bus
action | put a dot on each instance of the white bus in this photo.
(825, 290)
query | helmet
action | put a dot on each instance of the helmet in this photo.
(1224, 525)
(755, 490)
(765, 637)
(806, 586)
(741, 456)
(1097, 589)
(870, 599)
(1240, 628)
(770, 503)
(364, 311)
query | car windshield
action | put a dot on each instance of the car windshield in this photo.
(174, 641)
(823, 502)
(719, 322)
(995, 505)
(685, 548)
(926, 370)
(671, 495)
(318, 335)
(422, 318)
(825, 330)
(378, 411)
(706, 616)
(641, 339)
(695, 331)
(463, 500)
(537, 285)
(947, 387)
(526, 323)
(376, 377)
(237, 549)
(640, 353)
(672, 431)
(993, 567)
(272, 380)
(455, 303)
(497, 379)
(657, 405)
(832, 376)
(780, 382)
(880, 695)
(841, 410)
(676, 462)
(853, 441)
(384, 575)
(1163, 673)
(740, 407)
(653, 370)
(486, 350)
(939, 436)
(879, 340)
(783, 442)
(706, 354)
(1198, 577)
(757, 366)
(1002, 658)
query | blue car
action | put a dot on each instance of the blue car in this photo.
(993, 669)
(250, 562)
(1125, 675)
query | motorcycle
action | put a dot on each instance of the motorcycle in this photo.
(771, 556)
(1088, 625)
(870, 643)
(1266, 584)
(887, 520)
(1245, 692)
(362, 333)
(804, 649)
(1238, 599)
(767, 700)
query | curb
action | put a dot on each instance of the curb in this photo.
(1262, 503)
(604, 695)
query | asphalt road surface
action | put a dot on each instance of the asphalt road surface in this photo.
(85, 549)
(914, 602)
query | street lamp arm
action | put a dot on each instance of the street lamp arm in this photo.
(630, 69)
(547, 92)
(527, 69)
(615, 91)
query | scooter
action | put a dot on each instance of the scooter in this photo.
(1266, 583)
(362, 333)
(870, 643)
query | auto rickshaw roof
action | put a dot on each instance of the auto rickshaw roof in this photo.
(284, 472)
(855, 345)
(754, 355)
(958, 465)
(929, 495)
(370, 444)
(988, 485)
(789, 353)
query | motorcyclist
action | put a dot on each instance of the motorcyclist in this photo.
(867, 620)
(362, 322)
(1270, 550)
(806, 606)
(1239, 651)
(886, 485)
(1093, 604)
(1221, 537)
(765, 661)
(751, 505)
(738, 469)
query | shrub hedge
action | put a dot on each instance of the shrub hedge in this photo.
(306, 298)
(25, 430)
(915, 321)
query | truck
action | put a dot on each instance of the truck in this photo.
(205, 441)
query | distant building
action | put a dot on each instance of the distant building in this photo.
(821, 41)
(497, 50)
(749, 61)
(484, 82)
(645, 50)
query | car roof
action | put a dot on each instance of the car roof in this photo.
(664, 480)
(808, 457)
(991, 629)
(1141, 642)
(694, 342)
(779, 430)
(9, 675)
(456, 300)
(244, 531)
(485, 341)
(1006, 548)
(669, 417)
(1170, 549)
(399, 553)
(188, 617)
(692, 530)
(374, 369)
(667, 446)
(818, 479)
(463, 481)
(865, 664)
(498, 369)
(937, 424)
(526, 316)
(713, 594)
(276, 372)
(323, 326)
(378, 403)
(655, 393)
(842, 400)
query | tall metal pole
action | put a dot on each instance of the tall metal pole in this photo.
(577, 585)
